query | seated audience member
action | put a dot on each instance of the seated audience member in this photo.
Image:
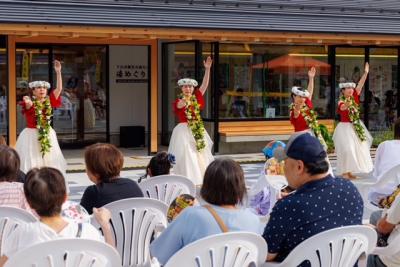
(11, 191)
(104, 163)
(388, 153)
(160, 164)
(20, 174)
(320, 202)
(387, 225)
(224, 189)
(46, 192)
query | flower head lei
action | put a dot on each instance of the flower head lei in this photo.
(195, 123)
(43, 113)
(354, 115)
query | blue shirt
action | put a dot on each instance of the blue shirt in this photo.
(315, 207)
(197, 222)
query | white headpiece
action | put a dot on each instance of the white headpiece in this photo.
(349, 84)
(187, 81)
(37, 84)
(300, 91)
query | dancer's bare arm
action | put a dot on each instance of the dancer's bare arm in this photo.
(310, 88)
(207, 65)
(57, 68)
(361, 83)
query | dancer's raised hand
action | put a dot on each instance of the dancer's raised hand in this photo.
(57, 66)
(207, 63)
(311, 72)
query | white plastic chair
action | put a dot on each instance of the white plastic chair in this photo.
(339, 247)
(134, 221)
(10, 218)
(75, 252)
(385, 186)
(222, 250)
(167, 187)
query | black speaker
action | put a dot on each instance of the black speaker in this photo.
(131, 136)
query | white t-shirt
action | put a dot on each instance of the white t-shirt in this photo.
(28, 234)
(393, 217)
(387, 156)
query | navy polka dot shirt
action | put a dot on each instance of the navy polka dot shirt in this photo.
(315, 207)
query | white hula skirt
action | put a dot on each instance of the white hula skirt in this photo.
(352, 154)
(189, 162)
(28, 148)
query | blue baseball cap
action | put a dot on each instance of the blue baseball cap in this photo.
(304, 147)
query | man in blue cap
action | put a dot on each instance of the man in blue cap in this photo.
(320, 202)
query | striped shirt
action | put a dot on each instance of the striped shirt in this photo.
(12, 195)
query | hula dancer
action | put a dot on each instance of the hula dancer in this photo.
(37, 144)
(190, 142)
(302, 116)
(351, 137)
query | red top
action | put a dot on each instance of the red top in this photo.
(344, 114)
(30, 113)
(180, 112)
(300, 123)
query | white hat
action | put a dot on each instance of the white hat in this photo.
(347, 84)
(187, 81)
(37, 84)
(300, 91)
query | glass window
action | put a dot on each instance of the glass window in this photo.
(349, 67)
(32, 64)
(255, 81)
(178, 62)
(207, 50)
(83, 115)
(383, 88)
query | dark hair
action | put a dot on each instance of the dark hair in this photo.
(223, 183)
(317, 167)
(9, 164)
(104, 161)
(159, 164)
(45, 191)
(397, 129)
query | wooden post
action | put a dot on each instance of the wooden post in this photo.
(154, 97)
(12, 91)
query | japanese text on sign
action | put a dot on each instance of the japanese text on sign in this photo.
(131, 74)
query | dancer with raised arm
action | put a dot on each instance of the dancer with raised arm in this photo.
(37, 144)
(190, 142)
(302, 115)
(351, 137)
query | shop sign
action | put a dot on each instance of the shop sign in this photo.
(131, 73)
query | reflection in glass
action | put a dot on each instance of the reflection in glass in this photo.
(349, 67)
(32, 64)
(382, 88)
(82, 117)
(180, 63)
(256, 80)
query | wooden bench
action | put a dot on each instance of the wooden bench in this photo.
(252, 131)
